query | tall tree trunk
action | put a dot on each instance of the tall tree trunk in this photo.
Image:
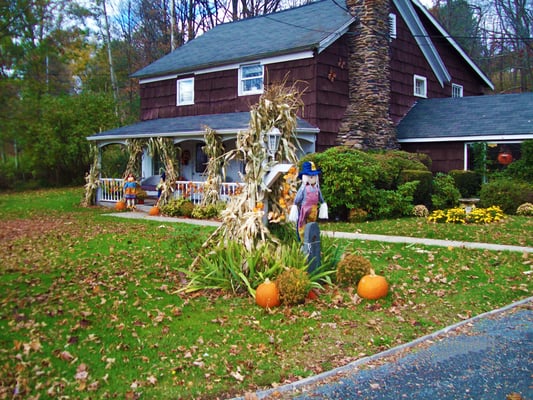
(107, 36)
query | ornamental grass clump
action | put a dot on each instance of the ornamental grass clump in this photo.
(294, 285)
(420, 211)
(525, 210)
(351, 269)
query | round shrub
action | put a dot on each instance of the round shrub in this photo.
(179, 207)
(294, 285)
(506, 194)
(351, 269)
(525, 210)
(420, 211)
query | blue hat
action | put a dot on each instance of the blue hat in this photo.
(309, 168)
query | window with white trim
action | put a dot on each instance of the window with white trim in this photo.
(392, 26)
(251, 79)
(420, 86)
(185, 91)
(457, 90)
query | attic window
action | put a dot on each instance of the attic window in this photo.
(185, 91)
(457, 90)
(392, 26)
(420, 86)
(251, 79)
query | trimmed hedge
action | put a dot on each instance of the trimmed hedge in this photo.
(468, 182)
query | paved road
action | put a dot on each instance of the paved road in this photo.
(487, 357)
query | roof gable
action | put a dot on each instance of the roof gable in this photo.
(492, 117)
(289, 31)
(423, 40)
(453, 43)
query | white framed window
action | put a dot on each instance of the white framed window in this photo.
(420, 86)
(392, 26)
(185, 91)
(251, 79)
(457, 90)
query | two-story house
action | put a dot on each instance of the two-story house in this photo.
(365, 64)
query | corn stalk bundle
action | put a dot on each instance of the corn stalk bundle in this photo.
(92, 180)
(169, 154)
(278, 108)
(243, 217)
(214, 150)
(135, 150)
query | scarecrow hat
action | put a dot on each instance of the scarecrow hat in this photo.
(309, 168)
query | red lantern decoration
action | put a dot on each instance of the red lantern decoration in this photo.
(505, 158)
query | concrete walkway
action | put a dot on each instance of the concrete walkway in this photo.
(142, 213)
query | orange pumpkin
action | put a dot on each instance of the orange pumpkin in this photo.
(267, 294)
(154, 211)
(120, 205)
(372, 286)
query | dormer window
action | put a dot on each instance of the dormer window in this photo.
(457, 90)
(185, 91)
(392, 26)
(251, 79)
(420, 86)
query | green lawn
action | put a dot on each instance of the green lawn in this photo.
(91, 308)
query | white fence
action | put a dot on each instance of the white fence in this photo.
(111, 189)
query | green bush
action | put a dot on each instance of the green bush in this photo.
(468, 182)
(506, 194)
(422, 194)
(353, 179)
(392, 165)
(179, 207)
(208, 211)
(445, 194)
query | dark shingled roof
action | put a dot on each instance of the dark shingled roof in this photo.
(231, 122)
(491, 117)
(297, 29)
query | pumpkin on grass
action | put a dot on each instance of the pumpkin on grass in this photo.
(372, 286)
(267, 294)
(120, 205)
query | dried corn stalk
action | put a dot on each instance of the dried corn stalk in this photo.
(92, 180)
(135, 150)
(169, 154)
(243, 217)
(215, 166)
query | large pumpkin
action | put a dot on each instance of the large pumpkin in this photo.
(120, 205)
(372, 286)
(154, 211)
(267, 294)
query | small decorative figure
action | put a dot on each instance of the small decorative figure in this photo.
(160, 185)
(130, 191)
(308, 197)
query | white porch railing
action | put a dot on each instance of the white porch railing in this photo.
(111, 189)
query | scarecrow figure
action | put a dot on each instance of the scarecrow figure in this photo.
(308, 197)
(130, 191)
